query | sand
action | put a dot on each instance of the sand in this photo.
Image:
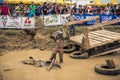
(72, 69)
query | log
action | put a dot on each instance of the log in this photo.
(85, 40)
(80, 21)
(51, 65)
(104, 24)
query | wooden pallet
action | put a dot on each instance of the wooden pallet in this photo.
(97, 38)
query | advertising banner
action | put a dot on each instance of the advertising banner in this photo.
(1, 22)
(92, 22)
(51, 20)
(79, 17)
(13, 22)
(64, 18)
(104, 18)
(28, 22)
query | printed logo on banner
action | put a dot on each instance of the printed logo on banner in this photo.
(51, 20)
(90, 22)
(79, 17)
(4, 20)
(1, 22)
(28, 22)
(13, 22)
(106, 18)
(64, 18)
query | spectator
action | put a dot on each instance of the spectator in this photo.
(14, 12)
(74, 9)
(50, 8)
(118, 11)
(30, 13)
(57, 9)
(53, 8)
(80, 9)
(25, 10)
(64, 10)
(44, 9)
(33, 7)
(5, 9)
(38, 10)
(20, 9)
(98, 10)
(0, 8)
(72, 27)
(85, 10)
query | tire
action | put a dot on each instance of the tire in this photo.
(68, 50)
(78, 55)
(102, 69)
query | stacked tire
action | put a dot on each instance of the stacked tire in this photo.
(103, 69)
(79, 55)
(69, 49)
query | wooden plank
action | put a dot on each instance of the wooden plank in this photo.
(99, 38)
(114, 33)
(109, 32)
(104, 53)
(77, 39)
(85, 40)
(80, 21)
(51, 65)
(104, 24)
(108, 35)
(94, 41)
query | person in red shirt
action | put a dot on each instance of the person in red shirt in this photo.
(5, 9)
(0, 8)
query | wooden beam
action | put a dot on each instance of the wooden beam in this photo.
(85, 40)
(104, 53)
(104, 24)
(80, 21)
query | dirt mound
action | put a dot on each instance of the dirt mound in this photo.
(11, 40)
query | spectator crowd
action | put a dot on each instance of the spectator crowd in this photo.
(53, 8)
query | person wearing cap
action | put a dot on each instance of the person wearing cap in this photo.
(59, 40)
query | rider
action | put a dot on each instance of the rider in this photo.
(59, 40)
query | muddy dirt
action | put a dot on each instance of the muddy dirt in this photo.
(11, 40)
(17, 45)
(72, 69)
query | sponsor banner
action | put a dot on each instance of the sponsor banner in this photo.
(13, 22)
(28, 22)
(79, 17)
(1, 22)
(64, 18)
(104, 18)
(52, 20)
(92, 22)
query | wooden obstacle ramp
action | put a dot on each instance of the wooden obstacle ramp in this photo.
(98, 38)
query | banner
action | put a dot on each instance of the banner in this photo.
(105, 18)
(1, 22)
(13, 22)
(28, 22)
(79, 17)
(64, 18)
(51, 20)
(92, 22)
